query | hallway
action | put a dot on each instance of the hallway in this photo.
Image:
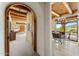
(21, 46)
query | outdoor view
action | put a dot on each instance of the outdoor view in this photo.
(70, 29)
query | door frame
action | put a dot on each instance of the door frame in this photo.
(7, 37)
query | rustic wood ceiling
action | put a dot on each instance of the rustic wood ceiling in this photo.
(59, 8)
(18, 12)
(62, 8)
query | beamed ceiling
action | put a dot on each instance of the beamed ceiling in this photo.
(18, 12)
(62, 8)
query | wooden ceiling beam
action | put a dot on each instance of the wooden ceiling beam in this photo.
(56, 14)
(12, 10)
(22, 7)
(17, 14)
(19, 9)
(72, 17)
(16, 17)
(74, 11)
(68, 7)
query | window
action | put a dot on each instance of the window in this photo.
(71, 30)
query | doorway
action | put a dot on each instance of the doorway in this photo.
(19, 19)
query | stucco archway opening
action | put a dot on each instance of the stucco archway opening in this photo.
(16, 11)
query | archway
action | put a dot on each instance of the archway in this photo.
(8, 24)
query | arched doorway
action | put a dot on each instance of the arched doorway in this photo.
(9, 35)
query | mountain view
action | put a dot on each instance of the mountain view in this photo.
(72, 26)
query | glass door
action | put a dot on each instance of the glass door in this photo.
(71, 29)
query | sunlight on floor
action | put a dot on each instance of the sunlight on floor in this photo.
(68, 48)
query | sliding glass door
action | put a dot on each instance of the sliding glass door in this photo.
(71, 29)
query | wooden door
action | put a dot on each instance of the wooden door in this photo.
(22, 28)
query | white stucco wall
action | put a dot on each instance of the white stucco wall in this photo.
(1, 29)
(47, 34)
(40, 25)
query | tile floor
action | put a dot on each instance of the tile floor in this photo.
(68, 48)
(21, 46)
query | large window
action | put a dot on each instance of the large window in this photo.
(71, 30)
(58, 27)
(69, 27)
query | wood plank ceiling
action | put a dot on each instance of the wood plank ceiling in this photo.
(61, 8)
(18, 12)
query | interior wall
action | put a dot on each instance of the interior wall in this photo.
(40, 25)
(2, 29)
(48, 34)
(29, 27)
(78, 20)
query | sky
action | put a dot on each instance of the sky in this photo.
(68, 24)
